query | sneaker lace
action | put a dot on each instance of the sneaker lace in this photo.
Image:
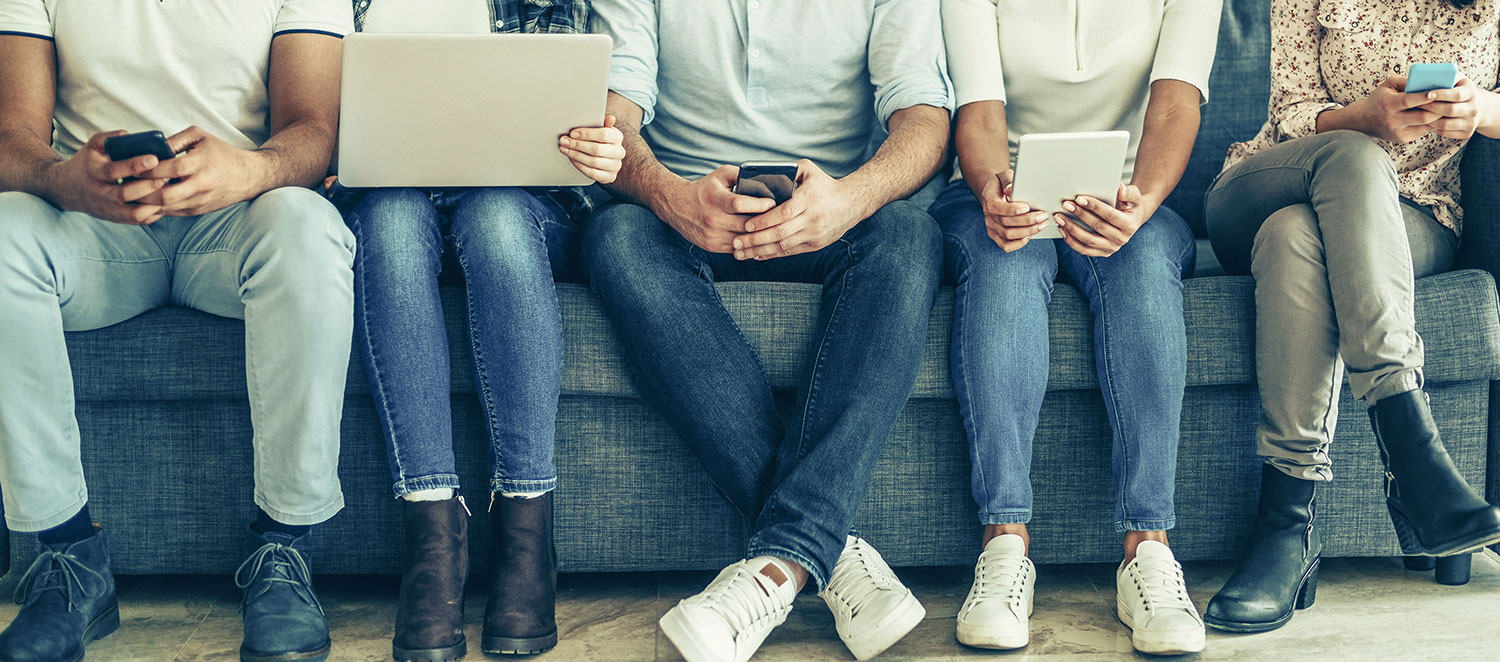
(1000, 578)
(739, 599)
(1161, 586)
(286, 567)
(55, 571)
(860, 573)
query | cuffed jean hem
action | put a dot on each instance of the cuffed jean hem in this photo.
(500, 485)
(318, 517)
(816, 580)
(1396, 383)
(995, 519)
(42, 524)
(1145, 525)
(433, 482)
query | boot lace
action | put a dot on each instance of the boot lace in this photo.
(740, 600)
(56, 571)
(859, 574)
(286, 567)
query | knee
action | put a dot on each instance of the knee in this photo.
(1356, 154)
(302, 227)
(18, 228)
(620, 242)
(498, 219)
(1290, 232)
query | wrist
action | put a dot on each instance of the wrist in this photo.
(44, 181)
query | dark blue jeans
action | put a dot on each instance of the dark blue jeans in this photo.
(797, 486)
(1000, 346)
(508, 243)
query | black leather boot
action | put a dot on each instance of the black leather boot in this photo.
(67, 600)
(1279, 573)
(283, 618)
(521, 617)
(1434, 510)
(430, 619)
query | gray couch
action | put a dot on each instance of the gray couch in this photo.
(161, 400)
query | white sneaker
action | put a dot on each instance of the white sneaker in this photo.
(1152, 600)
(998, 610)
(730, 619)
(871, 608)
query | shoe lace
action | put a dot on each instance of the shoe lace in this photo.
(859, 574)
(1161, 586)
(286, 567)
(1001, 578)
(740, 599)
(56, 571)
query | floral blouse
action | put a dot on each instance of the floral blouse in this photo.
(1330, 53)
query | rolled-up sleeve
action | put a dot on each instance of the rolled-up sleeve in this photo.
(908, 66)
(1189, 38)
(972, 33)
(25, 17)
(1298, 95)
(632, 70)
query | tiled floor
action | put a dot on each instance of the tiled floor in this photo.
(1367, 609)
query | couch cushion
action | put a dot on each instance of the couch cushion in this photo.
(1238, 89)
(177, 354)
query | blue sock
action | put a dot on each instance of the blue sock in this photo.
(264, 525)
(78, 527)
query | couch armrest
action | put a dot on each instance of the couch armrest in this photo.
(1480, 248)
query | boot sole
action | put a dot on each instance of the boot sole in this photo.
(309, 656)
(450, 654)
(1306, 595)
(496, 645)
(1411, 545)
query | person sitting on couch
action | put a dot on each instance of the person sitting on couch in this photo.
(699, 85)
(510, 243)
(1348, 194)
(229, 226)
(1135, 65)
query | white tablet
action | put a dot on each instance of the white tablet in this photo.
(467, 110)
(1053, 167)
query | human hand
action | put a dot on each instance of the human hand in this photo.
(708, 213)
(207, 175)
(597, 152)
(1457, 110)
(1113, 226)
(1390, 114)
(820, 211)
(1010, 224)
(90, 183)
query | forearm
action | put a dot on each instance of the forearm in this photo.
(983, 143)
(907, 160)
(26, 162)
(298, 155)
(1171, 128)
(1343, 118)
(642, 179)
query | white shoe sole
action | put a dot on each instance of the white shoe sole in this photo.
(1180, 642)
(679, 631)
(993, 638)
(897, 624)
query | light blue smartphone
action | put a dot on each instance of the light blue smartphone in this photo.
(1429, 77)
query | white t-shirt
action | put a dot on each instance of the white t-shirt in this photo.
(165, 65)
(1077, 65)
(429, 16)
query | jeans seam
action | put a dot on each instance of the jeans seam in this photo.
(963, 347)
(1109, 390)
(377, 385)
(481, 377)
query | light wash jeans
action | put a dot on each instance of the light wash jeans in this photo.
(797, 482)
(502, 238)
(1335, 253)
(281, 262)
(1000, 356)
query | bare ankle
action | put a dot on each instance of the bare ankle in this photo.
(993, 531)
(1133, 539)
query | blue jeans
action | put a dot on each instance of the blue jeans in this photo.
(506, 241)
(1000, 346)
(797, 486)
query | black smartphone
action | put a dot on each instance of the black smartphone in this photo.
(129, 146)
(776, 180)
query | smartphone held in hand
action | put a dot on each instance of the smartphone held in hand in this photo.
(776, 180)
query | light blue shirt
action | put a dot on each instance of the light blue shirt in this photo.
(725, 81)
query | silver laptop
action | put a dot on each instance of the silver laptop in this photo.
(467, 110)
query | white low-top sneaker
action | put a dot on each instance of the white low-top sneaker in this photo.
(1152, 600)
(730, 619)
(998, 610)
(871, 608)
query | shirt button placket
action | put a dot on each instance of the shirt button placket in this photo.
(755, 91)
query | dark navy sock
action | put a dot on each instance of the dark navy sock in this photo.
(78, 527)
(264, 525)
